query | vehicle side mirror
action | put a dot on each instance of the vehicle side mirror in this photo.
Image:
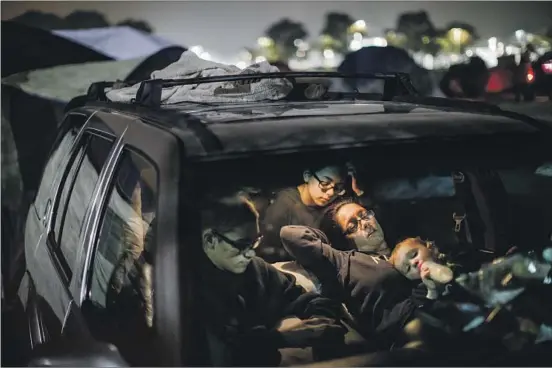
(84, 354)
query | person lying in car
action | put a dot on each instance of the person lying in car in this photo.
(348, 226)
(378, 296)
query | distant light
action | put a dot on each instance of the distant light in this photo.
(355, 45)
(380, 41)
(492, 43)
(520, 35)
(469, 53)
(357, 36)
(298, 42)
(359, 24)
(260, 59)
(329, 54)
(241, 64)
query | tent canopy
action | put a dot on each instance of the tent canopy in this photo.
(25, 48)
(119, 43)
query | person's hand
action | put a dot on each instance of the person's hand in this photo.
(431, 285)
(309, 332)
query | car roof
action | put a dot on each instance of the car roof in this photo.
(211, 131)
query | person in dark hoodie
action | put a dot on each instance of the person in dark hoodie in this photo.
(251, 310)
(376, 294)
(304, 204)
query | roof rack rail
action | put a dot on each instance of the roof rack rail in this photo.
(479, 106)
(149, 92)
(476, 106)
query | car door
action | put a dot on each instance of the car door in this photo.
(127, 290)
(53, 231)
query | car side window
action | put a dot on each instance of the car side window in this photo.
(121, 272)
(54, 163)
(77, 187)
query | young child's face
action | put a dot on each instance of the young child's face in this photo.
(408, 257)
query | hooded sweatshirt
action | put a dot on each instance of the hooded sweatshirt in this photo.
(287, 209)
(380, 298)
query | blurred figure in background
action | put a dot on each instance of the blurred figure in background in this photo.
(468, 80)
(387, 59)
(522, 83)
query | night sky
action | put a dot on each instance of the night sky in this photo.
(226, 26)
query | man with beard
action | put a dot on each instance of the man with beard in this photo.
(251, 310)
(304, 204)
(377, 295)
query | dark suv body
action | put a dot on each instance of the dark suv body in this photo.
(107, 155)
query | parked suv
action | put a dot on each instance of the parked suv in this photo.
(113, 236)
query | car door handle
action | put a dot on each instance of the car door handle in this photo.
(46, 211)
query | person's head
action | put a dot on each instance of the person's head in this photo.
(468, 80)
(230, 234)
(348, 225)
(324, 184)
(408, 256)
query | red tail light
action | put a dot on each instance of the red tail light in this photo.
(547, 67)
(530, 75)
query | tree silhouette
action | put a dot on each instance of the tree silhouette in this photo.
(38, 19)
(137, 24)
(79, 19)
(418, 30)
(336, 27)
(284, 33)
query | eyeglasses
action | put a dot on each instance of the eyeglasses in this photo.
(339, 188)
(354, 222)
(243, 245)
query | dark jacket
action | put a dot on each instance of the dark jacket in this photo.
(242, 311)
(379, 298)
(287, 209)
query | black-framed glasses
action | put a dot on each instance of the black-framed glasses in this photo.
(354, 222)
(243, 245)
(324, 185)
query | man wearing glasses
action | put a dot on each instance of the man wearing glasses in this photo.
(304, 205)
(251, 310)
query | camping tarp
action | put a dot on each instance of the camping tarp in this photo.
(25, 48)
(119, 43)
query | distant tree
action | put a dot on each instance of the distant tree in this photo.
(418, 30)
(337, 27)
(284, 33)
(85, 19)
(140, 25)
(79, 19)
(38, 19)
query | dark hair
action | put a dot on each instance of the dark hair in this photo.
(340, 166)
(227, 215)
(329, 226)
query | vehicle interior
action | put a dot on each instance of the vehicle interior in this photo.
(414, 192)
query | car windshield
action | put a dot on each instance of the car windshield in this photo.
(465, 202)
